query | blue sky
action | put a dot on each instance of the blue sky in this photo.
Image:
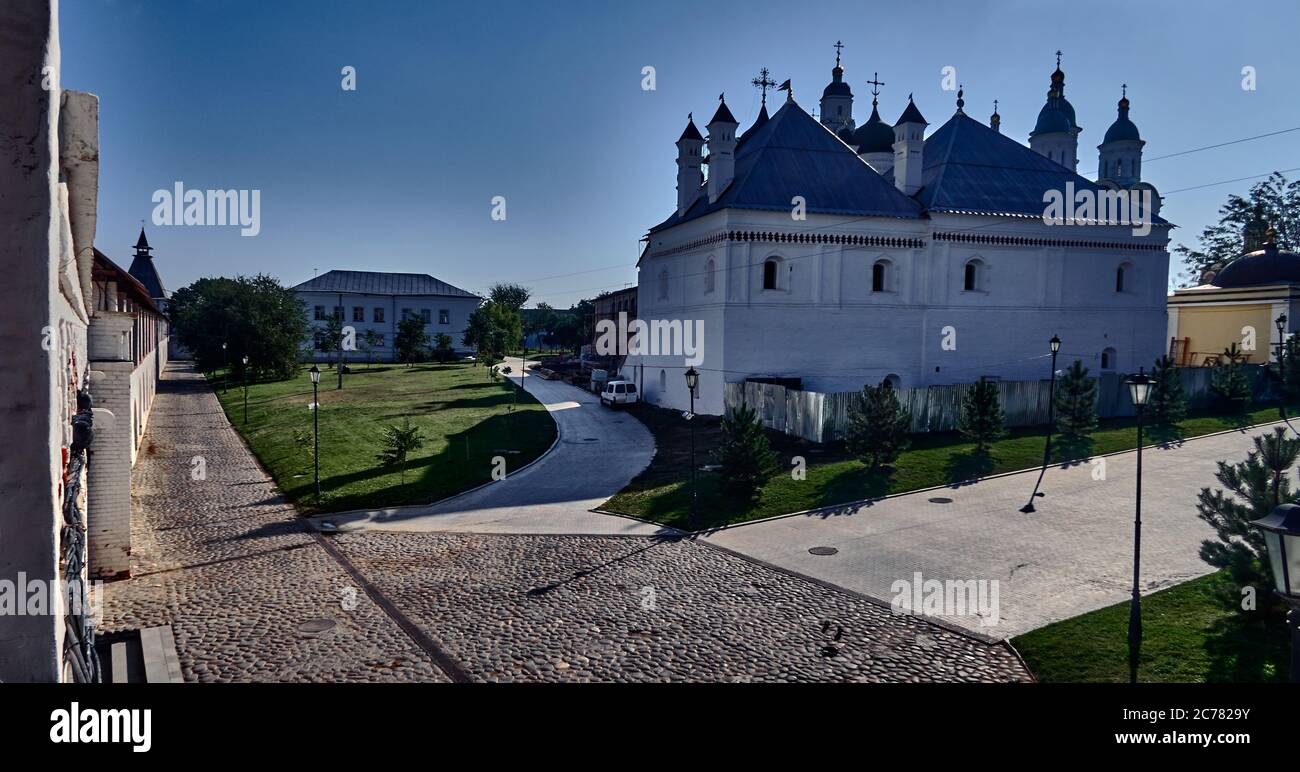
(541, 102)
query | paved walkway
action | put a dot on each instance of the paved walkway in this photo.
(597, 453)
(1074, 555)
(253, 595)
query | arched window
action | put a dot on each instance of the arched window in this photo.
(973, 275)
(663, 284)
(1123, 275)
(1108, 359)
(894, 381)
(663, 381)
(708, 276)
(770, 272)
(880, 276)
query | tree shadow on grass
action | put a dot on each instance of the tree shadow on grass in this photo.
(967, 468)
(860, 487)
(1165, 436)
(1248, 647)
(1071, 450)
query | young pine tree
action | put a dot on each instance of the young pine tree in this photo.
(1230, 382)
(1258, 485)
(744, 453)
(878, 426)
(1287, 372)
(1167, 404)
(981, 415)
(1076, 402)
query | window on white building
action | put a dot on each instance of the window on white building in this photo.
(320, 313)
(1123, 275)
(358, 313)
(708, 276)
(444, 316)
(379, 314)
(973, 275)
(663, 284)
(1108, 358)
(880, 276)
(426, 316)
(771, 272)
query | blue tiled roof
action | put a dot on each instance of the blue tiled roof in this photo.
(794, 155)
(969, 167)
(380, 283)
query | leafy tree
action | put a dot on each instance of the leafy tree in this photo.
(442, 348)
(331, 338)
(1167, 403)
(411, 339)
(399, 443)
(512, 296)
(493, 328)
(1076, 402)
(878, 426)
(1242, 222)
(981, 415)
(369, 342)
(1229, 381)
(1257, 486)
(744, 453)
(257, 317)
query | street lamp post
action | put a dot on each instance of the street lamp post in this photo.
(1282, 541)
(225, 366)
(1139, 387)
(315, 425)
(692, 379)
(245, 360)
(1055, 345)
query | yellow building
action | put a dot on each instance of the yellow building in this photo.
(1239, 304)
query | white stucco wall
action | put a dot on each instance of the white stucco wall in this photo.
(825, 325)
(458, 309)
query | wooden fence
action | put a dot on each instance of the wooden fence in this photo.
(819, 417)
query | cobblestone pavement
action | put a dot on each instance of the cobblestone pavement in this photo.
(607, 608)
(227, 564)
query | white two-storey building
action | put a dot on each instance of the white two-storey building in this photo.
(375, 301)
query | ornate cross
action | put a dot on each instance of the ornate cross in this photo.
(763, 82)
(875, 84)
(1058, 58)
(838, 46)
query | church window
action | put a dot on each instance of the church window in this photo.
(708, 276)
(1108, 359)
(1121, 274)
(663, 381)
(972, 280)
(770, 267)
(879, 276)
(663, 284)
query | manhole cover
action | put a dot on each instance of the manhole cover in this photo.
(316, 626)
(940, 500)
(823, 551)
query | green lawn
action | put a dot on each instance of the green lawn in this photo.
(466, 420)
(1187, 637)
(662, 492)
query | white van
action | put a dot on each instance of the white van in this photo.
(619, 393)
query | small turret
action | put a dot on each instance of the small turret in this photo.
(722, 149)
(909, 141)
(689, 157)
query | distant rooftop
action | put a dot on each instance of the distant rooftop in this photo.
(380, 283)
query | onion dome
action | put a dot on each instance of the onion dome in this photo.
(1057, 115)
(874, 136)
(1122, 129)
(1269, 265)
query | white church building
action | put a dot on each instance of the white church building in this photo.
(830, 255)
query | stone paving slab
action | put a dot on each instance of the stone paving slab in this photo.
(1073, 555)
